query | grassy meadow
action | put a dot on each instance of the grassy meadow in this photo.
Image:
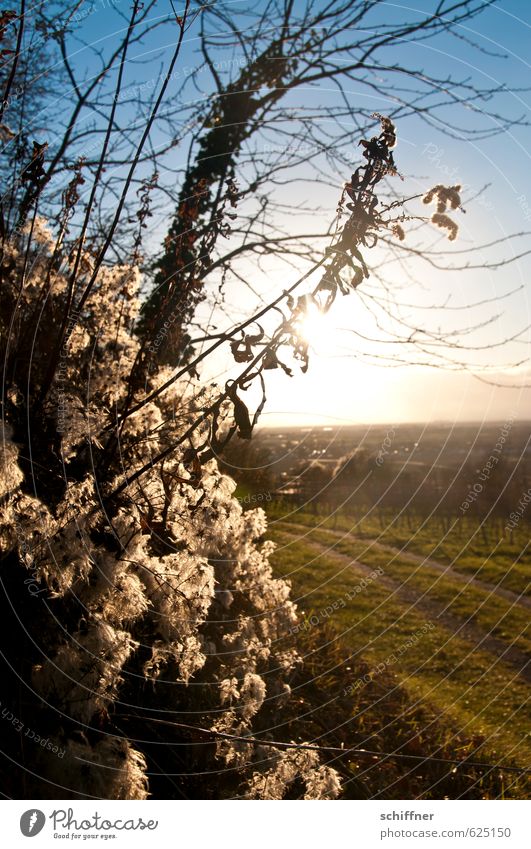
(439, 616)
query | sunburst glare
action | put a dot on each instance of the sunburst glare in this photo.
(320, 332)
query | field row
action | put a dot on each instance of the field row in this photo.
(480, 692)
(479, 550)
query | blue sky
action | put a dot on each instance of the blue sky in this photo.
(425, 156)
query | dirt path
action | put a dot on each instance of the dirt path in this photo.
(432, 608)
(508, 595)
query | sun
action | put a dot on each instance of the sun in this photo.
(319, 331)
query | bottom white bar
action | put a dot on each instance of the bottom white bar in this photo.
(226, 825)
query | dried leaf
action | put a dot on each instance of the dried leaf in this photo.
(241, 350)
(241, 413)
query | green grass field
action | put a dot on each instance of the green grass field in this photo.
(480, 551)
(468, 604)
